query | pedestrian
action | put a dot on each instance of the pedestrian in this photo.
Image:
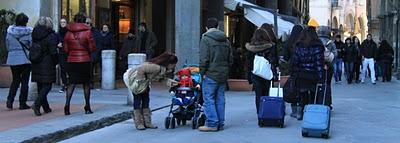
(155, 68)
(18, 60)
(127, 48)
(357, 63)
(95, 56)
(338, 63)
(308, 66)
(350, 56)
(330, 53)
(369, 53)
(62, 57)
(261, 45)
(215, 60)
(288, 51)
(44, 72)
(147, 41)
(78, 45)
(386, 57)
(105, 42)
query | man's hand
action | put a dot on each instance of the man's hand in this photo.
(59, 45)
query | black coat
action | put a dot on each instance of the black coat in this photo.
(369, 49)
(45, 71)
(350, 53)
(340, 49)
(385, 54)
(128, 47)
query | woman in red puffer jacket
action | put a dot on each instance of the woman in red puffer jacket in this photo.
(78, 45)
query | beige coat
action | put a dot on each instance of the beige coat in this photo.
(151, 71)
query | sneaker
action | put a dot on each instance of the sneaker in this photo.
(374, 83)
(207, 129)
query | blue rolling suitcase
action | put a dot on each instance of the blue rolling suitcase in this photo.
(271, 111)
(317, 117)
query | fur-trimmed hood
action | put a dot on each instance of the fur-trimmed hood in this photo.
(19, 31)
(259, 48)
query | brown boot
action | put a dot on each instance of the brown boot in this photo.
(137, 117)
(147, 119)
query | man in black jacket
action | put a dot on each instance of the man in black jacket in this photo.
(369, 52)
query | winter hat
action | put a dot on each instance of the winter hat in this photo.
(184, 72)
(313, 22)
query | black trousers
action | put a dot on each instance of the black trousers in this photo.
(142, 100)
(43, 90)
(62, 58)
(386, 71)
(20, 75)
(357, 68)
(261, 87)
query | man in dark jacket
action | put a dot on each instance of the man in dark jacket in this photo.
(127, 48)
(337, 66)
(369, 53)
(215, 60)
(386, 57)
(147, 40)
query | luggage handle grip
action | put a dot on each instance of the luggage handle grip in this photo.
(279, 83)
(316, 90)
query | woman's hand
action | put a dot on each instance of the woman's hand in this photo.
(59, 45)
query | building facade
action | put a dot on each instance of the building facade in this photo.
(349, 18)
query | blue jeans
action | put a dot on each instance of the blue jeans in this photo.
(214, 102)
(337, 69)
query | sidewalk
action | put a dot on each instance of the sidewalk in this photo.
(109, 107)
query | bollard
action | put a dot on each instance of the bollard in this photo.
(108, 69)
(133, 61)
(32, 90)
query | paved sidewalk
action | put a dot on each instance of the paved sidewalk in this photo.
(109, 107)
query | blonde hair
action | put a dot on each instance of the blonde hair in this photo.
(45, 21)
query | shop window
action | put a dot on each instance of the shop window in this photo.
(71, 7)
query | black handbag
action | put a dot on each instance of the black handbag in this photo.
(289, 90)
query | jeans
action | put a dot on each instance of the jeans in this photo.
(368, 63)
(141, 101)
(20, 75)
(262, 87)
(349, 71)
(386, 71)
(214, 102)
(337, 69)
(41, 100)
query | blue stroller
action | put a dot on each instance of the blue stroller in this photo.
(188, 106)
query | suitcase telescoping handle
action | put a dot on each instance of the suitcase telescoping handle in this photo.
(279, 83)
(316, 90)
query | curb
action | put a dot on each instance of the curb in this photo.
(84, 128)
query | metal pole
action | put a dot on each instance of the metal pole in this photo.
(276, 22)
(397, 43)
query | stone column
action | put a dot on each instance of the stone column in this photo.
(187, 31)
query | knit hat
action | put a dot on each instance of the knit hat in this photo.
(313, 22)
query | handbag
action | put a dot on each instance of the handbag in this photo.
(289, 90)
(262, 67)
(136, 86)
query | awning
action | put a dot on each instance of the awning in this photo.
(259, 15)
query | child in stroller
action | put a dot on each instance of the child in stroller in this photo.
(187, 96)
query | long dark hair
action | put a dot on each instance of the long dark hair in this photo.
(165, 59)
(353, 40)
(294, 35)
(307, 37)
(384, 45)
(260, 37)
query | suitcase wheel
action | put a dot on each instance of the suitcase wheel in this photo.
(304, 134)
(325, 136)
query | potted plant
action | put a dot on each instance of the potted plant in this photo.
(6, 19)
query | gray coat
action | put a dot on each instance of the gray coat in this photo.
(16, 55)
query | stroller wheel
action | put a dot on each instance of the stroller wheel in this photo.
(178, 122)
(173, 123)
(194, 123)
(167, 122)
(183, 122)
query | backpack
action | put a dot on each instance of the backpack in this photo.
(328, 55)
(36, 53)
